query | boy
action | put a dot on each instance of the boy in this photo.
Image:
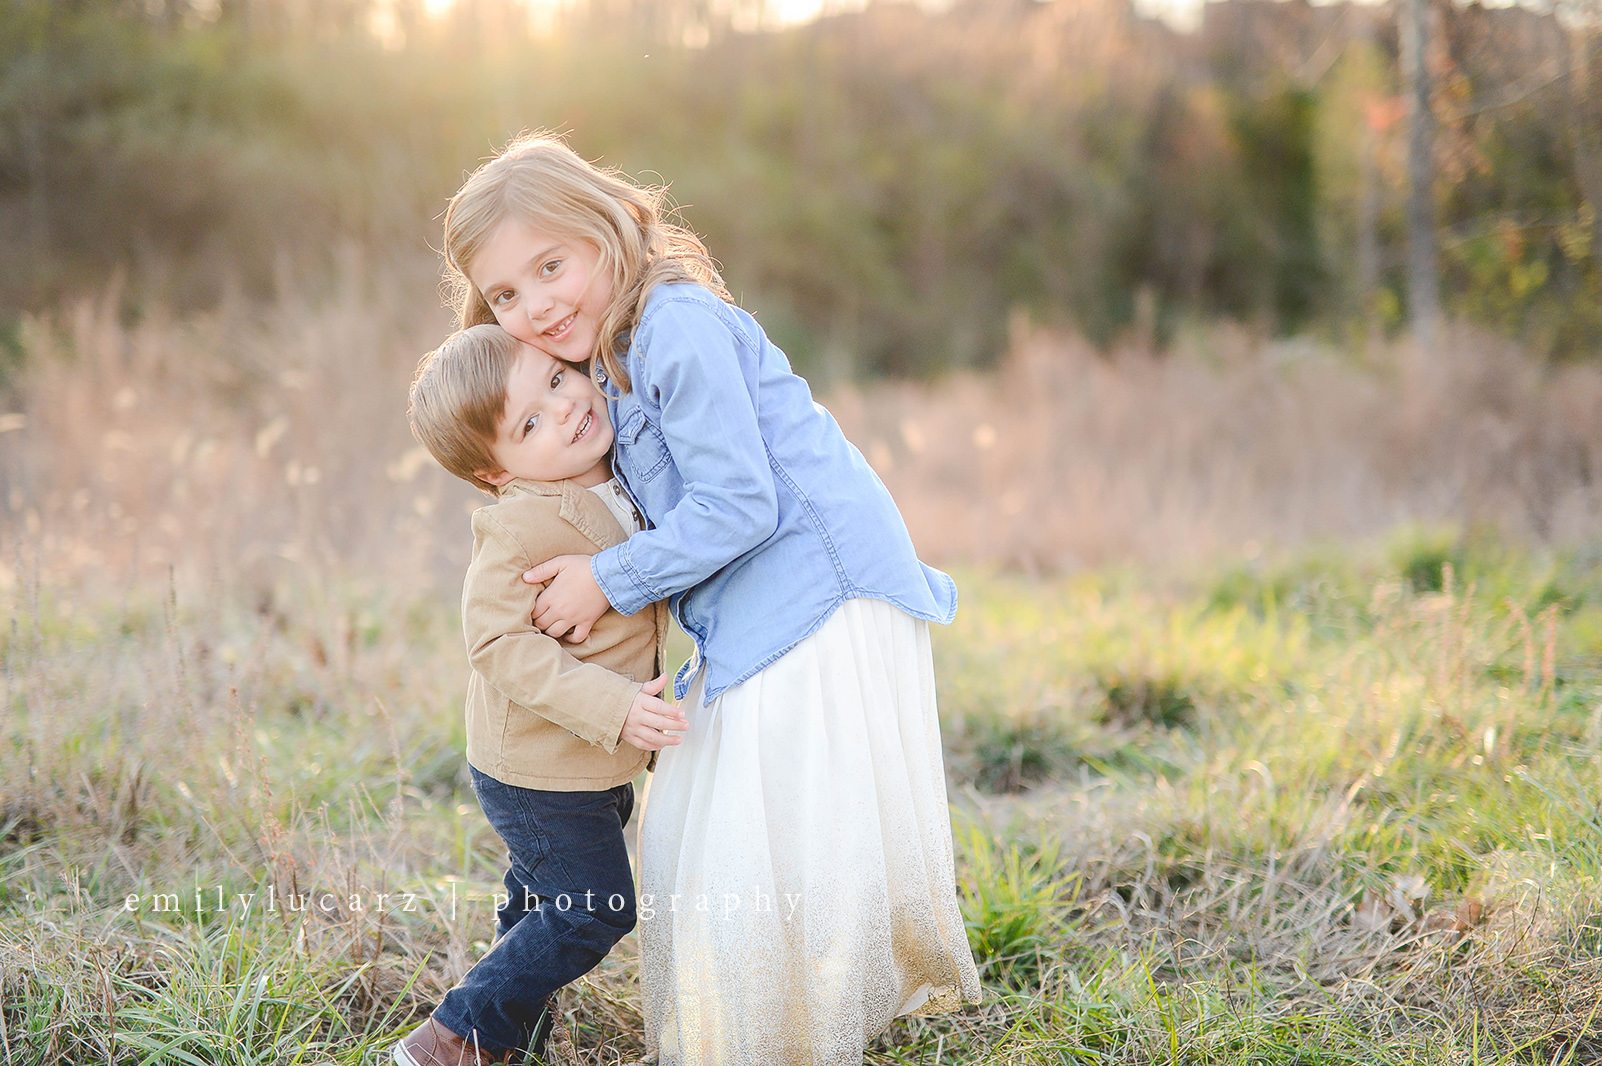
(555, 731)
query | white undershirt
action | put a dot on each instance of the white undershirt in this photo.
(617, 501)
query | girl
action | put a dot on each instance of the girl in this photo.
(795, 853)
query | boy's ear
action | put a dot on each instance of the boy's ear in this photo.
(494, 477)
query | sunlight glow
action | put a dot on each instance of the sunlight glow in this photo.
(544, 15)
(777, 12)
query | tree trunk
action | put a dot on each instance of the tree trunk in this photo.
(34, 149)
(1368, 256)
(1423, 282)
(1585, 118)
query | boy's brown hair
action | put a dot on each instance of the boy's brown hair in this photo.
(458, 397)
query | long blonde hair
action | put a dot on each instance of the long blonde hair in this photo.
(539, 180)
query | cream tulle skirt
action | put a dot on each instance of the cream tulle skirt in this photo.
(796, 882)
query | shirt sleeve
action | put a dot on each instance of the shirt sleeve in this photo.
(691, 368)
(529, 668)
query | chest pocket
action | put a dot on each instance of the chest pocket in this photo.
(641, 448)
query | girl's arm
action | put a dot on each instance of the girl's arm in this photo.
(691, 367)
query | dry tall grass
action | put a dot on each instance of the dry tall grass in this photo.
(257, 441)
(1066, 456)
(230, 660)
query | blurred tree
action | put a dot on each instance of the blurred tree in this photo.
(1516, 215)
(1189, 190)
(1423, 279)
(1275, 137)
(1581, 22)
(1355, 158)
(889, 187)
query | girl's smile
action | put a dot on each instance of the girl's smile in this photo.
(544, 288)
(559, 331)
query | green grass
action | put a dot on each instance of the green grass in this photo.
(1338, 807)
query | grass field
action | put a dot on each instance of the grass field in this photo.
(1273, 710)
(1339, 807)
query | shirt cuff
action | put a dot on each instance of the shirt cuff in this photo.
(622, 585)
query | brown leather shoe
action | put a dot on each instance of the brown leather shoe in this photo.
(432, 1044)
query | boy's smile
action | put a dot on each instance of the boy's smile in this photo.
(554, 426)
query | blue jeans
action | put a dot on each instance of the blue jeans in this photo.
(570, 898)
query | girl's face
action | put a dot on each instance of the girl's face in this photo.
(544, 288)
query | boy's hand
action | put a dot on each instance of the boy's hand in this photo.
(649, 719)
(572, 601)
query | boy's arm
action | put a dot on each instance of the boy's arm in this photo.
(523, 664)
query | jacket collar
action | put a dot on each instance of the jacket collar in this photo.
(580, 508)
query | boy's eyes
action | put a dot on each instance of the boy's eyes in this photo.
(533, 422)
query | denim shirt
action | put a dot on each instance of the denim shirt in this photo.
(764, 518)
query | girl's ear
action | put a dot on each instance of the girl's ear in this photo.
(497, 478)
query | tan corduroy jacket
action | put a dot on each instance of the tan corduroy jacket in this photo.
(542, 713)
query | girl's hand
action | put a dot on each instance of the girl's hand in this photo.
(649, 722)
(572, 601)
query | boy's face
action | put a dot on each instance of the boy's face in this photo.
(554, 426)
